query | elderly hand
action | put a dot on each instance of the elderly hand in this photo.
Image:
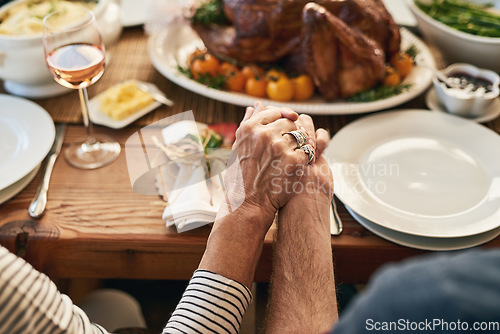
(266, 164)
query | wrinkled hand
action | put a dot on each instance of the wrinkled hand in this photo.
(265, 164)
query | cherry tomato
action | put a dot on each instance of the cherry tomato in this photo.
(274, 75)
(403, 63)
(303, 87)
(235, 80)
(280, 90)
(195, 55)
(207, 64)
(251, 71)
(256, 87)
(228, 68)
(392, 77)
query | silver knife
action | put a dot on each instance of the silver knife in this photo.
(156, 96)
(37, 206)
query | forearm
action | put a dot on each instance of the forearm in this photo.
(218, 294)
(303, 287)
(235, 244)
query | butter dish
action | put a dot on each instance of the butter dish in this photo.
(99, 117)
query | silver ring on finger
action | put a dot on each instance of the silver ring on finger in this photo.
(309, 150)
(299, 136)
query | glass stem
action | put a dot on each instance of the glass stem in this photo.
(84, 103)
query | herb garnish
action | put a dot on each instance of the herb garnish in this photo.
(412, 51)
(210, 12)
(216, 82)
(379, 93)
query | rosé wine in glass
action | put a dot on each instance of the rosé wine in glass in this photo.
(75, 55)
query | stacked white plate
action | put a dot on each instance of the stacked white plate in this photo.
(26, 136)
(418, 178)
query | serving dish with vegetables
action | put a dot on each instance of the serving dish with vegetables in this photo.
(465, 31)
(170, 50)
(344, 57)
(481, 19)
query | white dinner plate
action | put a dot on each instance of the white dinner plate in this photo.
(400, 12)
(419, 172)
(426, 243)
(97, 117)
(16, 187)
(490, 114)
(171, 48)
(26, 136)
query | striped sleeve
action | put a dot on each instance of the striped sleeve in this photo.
(211, 304)
(31, 303)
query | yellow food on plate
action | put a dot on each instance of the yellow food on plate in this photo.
(26, 18)
(123, 100)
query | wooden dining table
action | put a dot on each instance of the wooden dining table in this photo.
(96, 226)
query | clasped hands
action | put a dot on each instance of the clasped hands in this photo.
(269, 171)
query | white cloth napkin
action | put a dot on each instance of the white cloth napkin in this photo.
(193, 199)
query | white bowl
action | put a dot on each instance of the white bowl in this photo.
(22, 62)
(459, 101)
(458, 46)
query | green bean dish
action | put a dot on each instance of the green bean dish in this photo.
(472, 18)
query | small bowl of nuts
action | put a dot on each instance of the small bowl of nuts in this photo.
(466, 90)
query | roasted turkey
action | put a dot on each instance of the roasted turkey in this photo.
(341, 44)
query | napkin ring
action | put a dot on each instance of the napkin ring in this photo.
(309, 151)
(299, 136)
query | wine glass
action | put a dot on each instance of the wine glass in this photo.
(75, 55)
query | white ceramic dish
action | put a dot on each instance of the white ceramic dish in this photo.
(419, 172)
(425, 243)
(22, 62)
(133, 12)
(26, 136)
(98, 117)
(492, 112)
(459, 101)
(456, 45)
(16, 187)
(167, 49)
